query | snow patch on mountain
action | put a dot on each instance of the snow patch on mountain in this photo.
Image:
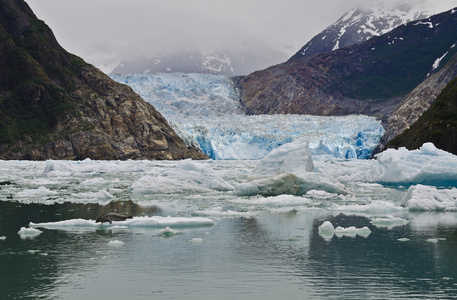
(361, 24)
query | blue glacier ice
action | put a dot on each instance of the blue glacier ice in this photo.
(205, 110)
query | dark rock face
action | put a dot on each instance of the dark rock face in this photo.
(418, 101)
(437, 125)
(369, 78)
(53, 105)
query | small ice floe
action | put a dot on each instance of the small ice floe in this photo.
(427, 198)
(2, 238)
(140, 222)
(26, 233)
(223, 212)
(388, 222)
(196, 240)
(187, 177)
(115, 243)
(327, 230)
(435, 240)
(403, 240)
(168, 232)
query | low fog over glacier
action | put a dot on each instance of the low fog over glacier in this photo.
(206, 111)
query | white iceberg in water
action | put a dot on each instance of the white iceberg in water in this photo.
(187, 177)
(327, 230)
(288, 169)
(151, 222)
(427, 165)
(427, 198)
(388, 222)
(115, 243)
(29, 232)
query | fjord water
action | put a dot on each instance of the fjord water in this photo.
(258, 247)
(196, 235)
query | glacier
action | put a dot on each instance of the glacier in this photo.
(205, 110)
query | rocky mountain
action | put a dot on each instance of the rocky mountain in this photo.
(419, 100)
(53, 105)
(437, 125)
(359, 25)
(368, 78)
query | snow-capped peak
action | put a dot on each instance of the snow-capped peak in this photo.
(361, 24)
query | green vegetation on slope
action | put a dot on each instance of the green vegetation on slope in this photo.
(437, 125)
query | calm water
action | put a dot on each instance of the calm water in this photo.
(271, 249)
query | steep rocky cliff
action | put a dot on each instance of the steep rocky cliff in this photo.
(369, 78)
(437, 125)
(53, 105)
(418, 101)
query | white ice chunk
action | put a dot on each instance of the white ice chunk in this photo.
(388, 222)
(196, 240)
(288, 170)
(115, 243)
(152, 222)
(327, 230)
(39, 192)
(403, 240)
(168, 232)
(187, 176)
(435, 240)
(427, 165)
(221, 212)
(426, 198)
(2, 238)
(29, 232)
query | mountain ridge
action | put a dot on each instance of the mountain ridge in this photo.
(369, 78)
(359, 25)
(53, 105)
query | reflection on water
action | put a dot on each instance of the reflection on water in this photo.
(270, 256)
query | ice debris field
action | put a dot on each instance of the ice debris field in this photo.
(197, 193)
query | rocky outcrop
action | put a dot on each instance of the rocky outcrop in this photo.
(437, 125)
(53, 105)
(369, 78)
(418, 101)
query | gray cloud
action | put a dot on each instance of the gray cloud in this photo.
(104, 32)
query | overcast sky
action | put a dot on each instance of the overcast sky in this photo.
(104, 32)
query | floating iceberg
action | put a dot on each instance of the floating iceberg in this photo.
(427, 198)
(388, 222)
(152, 222)
(187, 176)
(427, 165)
(115, 243)
(288, 169)
(327, 230)
(26, 233)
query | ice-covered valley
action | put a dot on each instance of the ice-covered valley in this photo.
(205, 110)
